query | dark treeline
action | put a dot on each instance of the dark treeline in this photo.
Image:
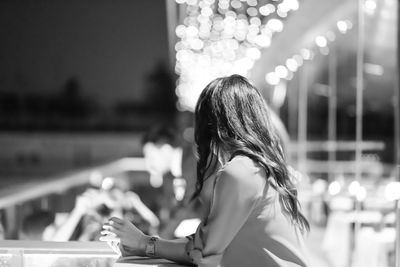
(72, 109)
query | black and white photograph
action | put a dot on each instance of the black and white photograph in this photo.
(209, 133)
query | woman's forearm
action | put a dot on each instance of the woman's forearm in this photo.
(134, 242)
(174, 250)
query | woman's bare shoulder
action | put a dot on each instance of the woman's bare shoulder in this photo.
(245, 172)
(243, 164)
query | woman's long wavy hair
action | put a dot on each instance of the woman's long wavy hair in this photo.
(232, 116)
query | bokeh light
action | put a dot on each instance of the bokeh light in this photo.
(219, 38)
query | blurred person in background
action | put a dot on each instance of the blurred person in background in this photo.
(91, 210)
(254, 217)
(112, 199)
(171, 163)
(41, 224)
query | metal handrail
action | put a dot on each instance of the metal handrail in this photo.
(12, 196)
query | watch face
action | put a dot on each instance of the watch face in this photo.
(150, 247)
(150, 250)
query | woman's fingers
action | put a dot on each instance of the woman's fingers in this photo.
(108, 233)
(111, 225)
(113, 243)
(108, 229)
(122, 230)
(115, 220)
(107, 238)
(112, 234)
(115, 246)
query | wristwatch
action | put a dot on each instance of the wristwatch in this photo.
(151, 247)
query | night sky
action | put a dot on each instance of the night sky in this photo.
(107, 45)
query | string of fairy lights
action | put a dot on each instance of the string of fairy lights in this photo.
(321, 43)
(223, 37)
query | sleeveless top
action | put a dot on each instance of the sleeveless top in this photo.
(244, 223)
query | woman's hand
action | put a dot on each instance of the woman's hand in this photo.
(132, 240)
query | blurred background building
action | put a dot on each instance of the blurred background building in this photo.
(82, 81)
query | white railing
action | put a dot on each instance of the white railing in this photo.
(55, 254)
(77, 254)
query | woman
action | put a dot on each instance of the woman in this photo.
(253, 217)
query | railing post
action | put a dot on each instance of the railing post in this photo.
(397, 136)
(302, 120)
(11, 215)
(397, 242)
(332, 109)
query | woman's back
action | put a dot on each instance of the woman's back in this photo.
(266, 237)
